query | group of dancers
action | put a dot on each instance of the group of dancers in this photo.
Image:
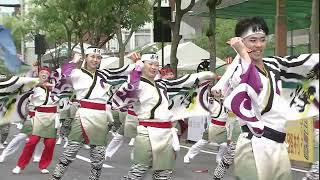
(135, 98)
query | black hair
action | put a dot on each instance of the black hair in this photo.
(257, 23)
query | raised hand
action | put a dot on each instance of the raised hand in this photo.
(237, 44)
(76, 58)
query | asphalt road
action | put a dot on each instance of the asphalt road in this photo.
(118, 166)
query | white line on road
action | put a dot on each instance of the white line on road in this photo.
(208, 152)
(88, 160)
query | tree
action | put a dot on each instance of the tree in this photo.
(47, 17)
(175, 28)
(314, 29)
(129, 15)
(224, 31)
(211, 33)
(89, 21)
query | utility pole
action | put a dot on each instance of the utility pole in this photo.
(281, 28)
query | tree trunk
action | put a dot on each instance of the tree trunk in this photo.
(175, 28)
(122, 47)
(281, 29)
(69, 41)
(69, 44)
(176, 37)
(212, 34)
(314, 29)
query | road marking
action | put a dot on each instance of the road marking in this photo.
(88, 160)
(208, 152)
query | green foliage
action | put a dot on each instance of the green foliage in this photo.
(132, 14)
(300, 49)
(224, 31)
(60, 18)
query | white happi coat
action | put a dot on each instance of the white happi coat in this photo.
(255, 97)
(96, 88)
(152, 104)
(217, 133)
(18, 88)
(44, 124)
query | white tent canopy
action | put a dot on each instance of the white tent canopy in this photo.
(113, 62)
(189, 56)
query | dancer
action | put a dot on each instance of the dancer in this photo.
(44, 124)
(252, 91)
(156, 141)
(20, 139)
(216, 132)
(92, 89)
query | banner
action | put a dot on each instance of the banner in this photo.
(300, 138)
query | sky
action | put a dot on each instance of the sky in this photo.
(8, 9)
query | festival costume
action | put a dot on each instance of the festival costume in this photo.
(215, 132)
(255, 97)
(20, 140)
(14, 92)
(89, 126)
(44, 126)
(119, 138)
(156, 140)
(221, 129)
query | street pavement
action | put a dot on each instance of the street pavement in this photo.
(118, 166)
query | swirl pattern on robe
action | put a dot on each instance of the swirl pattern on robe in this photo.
(242, 100)
(63, 86)
(14, 95)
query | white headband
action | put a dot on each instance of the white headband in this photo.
(250, 32)
(149, 57)
(92, 50)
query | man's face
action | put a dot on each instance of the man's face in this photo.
(256, 43)
(44, 76)
(93, 61)
(150, 69)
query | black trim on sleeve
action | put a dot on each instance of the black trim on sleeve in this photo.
(271, 96)
(178, 81)
(292, 64)
(146, 81)
(47, 95)
(221, 107)
(87, 72)
(116, 70)
(158, 104)
(92, 86)
(9, 84)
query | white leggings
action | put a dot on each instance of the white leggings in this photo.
(16, 143)
(114, 145)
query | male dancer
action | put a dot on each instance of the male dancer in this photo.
(156, 141)
(92, 89)
(253, 92)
